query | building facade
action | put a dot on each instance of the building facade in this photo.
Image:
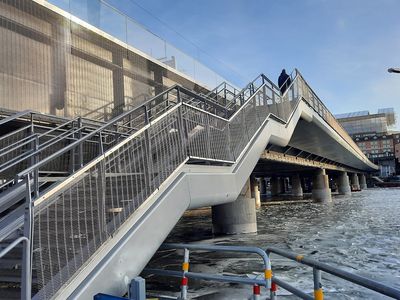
(373, 134)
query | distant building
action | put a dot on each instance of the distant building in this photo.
(373, 134)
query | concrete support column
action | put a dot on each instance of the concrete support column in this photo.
(255, 191)
(263, 186)
(276, 187)
(343, 184)
(236, 217)
(363, 181)
(297, 190)
(355, 185)
(283, 185)
(321, 191)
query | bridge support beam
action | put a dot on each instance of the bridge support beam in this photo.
(236, 217)
(355, 185)
(276, 187)
(321, 191)
(343, 184)
(363, 181)
(297, 190)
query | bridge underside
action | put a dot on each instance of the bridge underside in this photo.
(314, 138)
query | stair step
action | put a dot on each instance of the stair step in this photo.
(12, 276)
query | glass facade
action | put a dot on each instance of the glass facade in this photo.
(366, 124)
(54, 63)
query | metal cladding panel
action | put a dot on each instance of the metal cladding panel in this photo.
(63, 66)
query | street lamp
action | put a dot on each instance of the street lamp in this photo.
(394, 70)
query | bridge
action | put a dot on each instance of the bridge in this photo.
(93, 189)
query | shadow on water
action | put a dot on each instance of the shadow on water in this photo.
(359, 233)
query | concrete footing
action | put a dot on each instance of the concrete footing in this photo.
(343, 184)
(321, 191)
(363, 181)
(235, 217)
(297, 190)
(355, 185)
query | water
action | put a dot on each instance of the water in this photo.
(359, 233)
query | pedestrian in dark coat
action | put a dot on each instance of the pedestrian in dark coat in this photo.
(284, 81)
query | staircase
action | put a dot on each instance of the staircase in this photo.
(99, 181)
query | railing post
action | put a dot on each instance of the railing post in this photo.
(80, 145)
(182, 127)
(209, 153)
(102, 184)
(35, 160)
(231, 153)
(101, 146)
(273, 290)
(185, 269)
(148, 153)
(26, 276)
(318, 292)
(256, 292)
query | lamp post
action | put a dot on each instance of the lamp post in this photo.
(394, 70)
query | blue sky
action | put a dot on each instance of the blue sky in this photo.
(342, 47)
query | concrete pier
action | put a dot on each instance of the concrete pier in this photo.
(321, 191)
(276, 187)
(263, 186)
(363, 181)
(297, 190)
(284, 185)
(355, 185)
(343, 183)
(255, 191)
(236, 217)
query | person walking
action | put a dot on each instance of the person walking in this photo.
(284, 81)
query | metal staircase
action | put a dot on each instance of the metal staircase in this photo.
(66, 197)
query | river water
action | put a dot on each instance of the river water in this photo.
(359, 233)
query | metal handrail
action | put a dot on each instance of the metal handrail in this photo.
(356, 279)
(185, 273)
(268, 278)
(113, 122)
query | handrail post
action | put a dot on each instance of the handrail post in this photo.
(318, 292)
(148, 153)
(273, 290)
(209, 151)
(26, 276)
(34, 161)
(101, 146)
(185, 269)
(80, 145)
(182, 127)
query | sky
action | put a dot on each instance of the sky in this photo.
(343, 48)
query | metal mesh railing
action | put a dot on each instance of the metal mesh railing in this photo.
(77, 217)
(140, 150)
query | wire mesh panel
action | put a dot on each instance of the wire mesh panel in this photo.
(68, 228)
(197, 129)
(55, 64)
(72, 223)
